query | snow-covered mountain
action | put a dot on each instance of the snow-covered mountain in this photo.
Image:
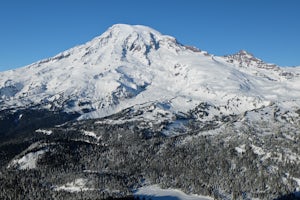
(235, 121)
(136, 65)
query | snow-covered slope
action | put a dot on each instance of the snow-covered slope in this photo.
(156, 193)
(136, 65)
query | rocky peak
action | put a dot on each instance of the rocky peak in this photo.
(246, 59)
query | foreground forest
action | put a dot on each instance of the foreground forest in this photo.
(111, 160)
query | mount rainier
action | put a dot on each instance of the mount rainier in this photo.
(137, 91)
(134, 65)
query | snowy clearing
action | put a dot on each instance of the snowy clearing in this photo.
(78, 185)
(28, 161)
(156, 193)
(46, 132)
(91, 134)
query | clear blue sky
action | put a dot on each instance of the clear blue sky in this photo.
(35, 29)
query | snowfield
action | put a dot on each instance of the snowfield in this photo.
(77, 185)
(154, 192)
(28, 161)
(46, 132)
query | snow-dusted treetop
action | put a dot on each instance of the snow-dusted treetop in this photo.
(136, 65)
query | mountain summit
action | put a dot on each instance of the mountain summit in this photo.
(135, 65)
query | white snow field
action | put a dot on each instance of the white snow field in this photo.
(154, 192)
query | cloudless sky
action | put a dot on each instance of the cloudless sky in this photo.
(31, 30)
